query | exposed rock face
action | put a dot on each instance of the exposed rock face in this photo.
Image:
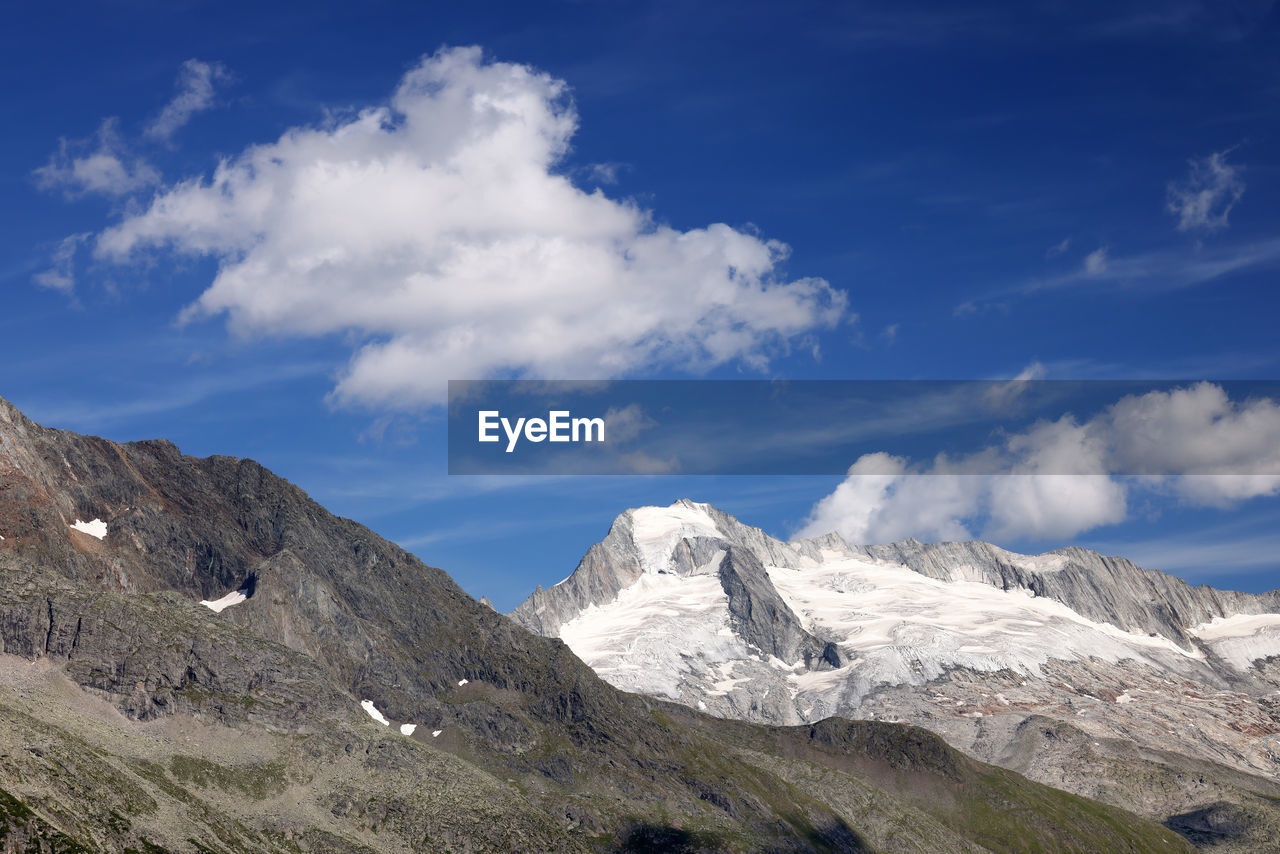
(239, 627)
(967, 639)
(761, 618)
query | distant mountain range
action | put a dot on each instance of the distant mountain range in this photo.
(1084, 672)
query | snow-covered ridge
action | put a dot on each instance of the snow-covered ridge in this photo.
(649, 612)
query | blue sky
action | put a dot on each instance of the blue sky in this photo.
(1073, 191)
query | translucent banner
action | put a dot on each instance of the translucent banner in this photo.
(1131, 427)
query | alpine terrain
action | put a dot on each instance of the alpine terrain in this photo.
(196, 657)
(1081, 671)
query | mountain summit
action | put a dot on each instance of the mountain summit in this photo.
(981, 645)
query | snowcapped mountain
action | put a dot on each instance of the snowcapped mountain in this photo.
(687, 603)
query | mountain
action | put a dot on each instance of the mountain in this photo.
(1082, 671)
(196, 657)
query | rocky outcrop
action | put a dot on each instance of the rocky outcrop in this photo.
(608, 567)
(760, 616)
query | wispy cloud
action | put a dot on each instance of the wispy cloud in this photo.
(100, 164)
(1058, 248)
(61, 275)
(1154, 272)
(606, 173)
(197, 86)
(1095, 263)
(89, 417)
(1202, 201)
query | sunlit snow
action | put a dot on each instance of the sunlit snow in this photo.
(373, 712)
(407, 729)
(656, 530)
(235, 597)
(462, 682)
(628, 641)
(435, 733)
(1243, 638)
(893, 625)
(97, 528)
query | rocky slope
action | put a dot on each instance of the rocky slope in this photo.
(187, 645)
(966, 639)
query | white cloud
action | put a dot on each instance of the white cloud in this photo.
(1203, 200)
(1058, 248)
(197, 82)
(1192, 430)
(1059, 478)
(1095, 263)
(880, 501)
(61, 276)
(98, 165)
(439, 230)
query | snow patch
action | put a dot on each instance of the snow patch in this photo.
(1124, 698)
(435, 733)
(407, 729)
(97, 528)
(462, 682)
(373, 712)
(235, 597)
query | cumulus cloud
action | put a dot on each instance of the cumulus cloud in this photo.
(1203, 200)
(1060, 478)
(439, 231)
(197, 85)
(100, 164)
